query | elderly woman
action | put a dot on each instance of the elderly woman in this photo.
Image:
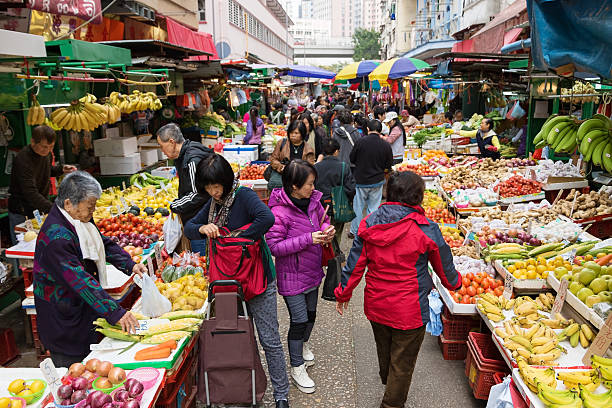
(69, 262)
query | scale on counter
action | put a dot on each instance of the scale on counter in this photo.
(604, 179)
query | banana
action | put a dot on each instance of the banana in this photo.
(574, 339)
(596, 148)
(598, 361)
(578, 377)
(559, 137)
(543, 359)
(540, 341)
(592, 400)
(606, 372)
(556, 130)
(532, 331)
(588, 125)
(588, 333)
(571, 329)
(495, 318)
(554, 396)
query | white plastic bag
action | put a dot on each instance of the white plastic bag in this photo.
(153, 303)
(173, 231)
(500, 396)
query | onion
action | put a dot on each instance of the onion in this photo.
(80, 383)
(103, 383)
(499, 235)
(136, 389)
(108, 405)
(103, 368)
(132, 404)
(78, 396)
(116, 375)
(92, 365)
(512, 232)
(64, 392)
(65, 402)
(88, 375)
(122, 395)
(99, 399)
(76, 369)
(118, 404)
(154, 237)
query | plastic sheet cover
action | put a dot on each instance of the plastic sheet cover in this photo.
(572, 31)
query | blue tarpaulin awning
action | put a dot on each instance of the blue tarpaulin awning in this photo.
(308, 71)
(571, 32)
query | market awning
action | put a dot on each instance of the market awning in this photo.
(90, 51)
(19, 44)
(142, 48)
(181, 35)
(308, 71)
(430, 49)
(501, 30)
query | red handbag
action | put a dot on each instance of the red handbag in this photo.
(328, 254)
(241, 259)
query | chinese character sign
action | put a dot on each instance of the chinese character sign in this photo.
(85, 9)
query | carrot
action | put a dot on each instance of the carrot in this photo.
(156, 354)
(171, 344)
(604, 260)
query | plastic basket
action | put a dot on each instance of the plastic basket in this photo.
(486, 351)
(106, 390)
(146, 375)
(452, 349)
(31, 399)
(481, 376)
(498, 377)
(457, 329)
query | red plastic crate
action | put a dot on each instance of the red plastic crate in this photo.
(452, 349)
(27, 276)
(182, 392)
(486, 351)
(481, 376)
(498, 377)
(448, 315)
(8, 347)
(457, 328)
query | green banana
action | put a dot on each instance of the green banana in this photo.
(556, 131)
(540, 136)
(594, 146)
(598, 151)
(567, 131)
(590, 399)
(589, 138)
(606, 157)
(549, 125)
(603, 118)
(588, 125)
(554, 396)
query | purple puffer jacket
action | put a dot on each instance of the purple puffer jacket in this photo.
(298, 260)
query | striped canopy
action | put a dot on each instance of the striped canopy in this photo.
(397, 68)
(356, 70)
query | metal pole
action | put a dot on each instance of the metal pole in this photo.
(286, 38)
(304, 37)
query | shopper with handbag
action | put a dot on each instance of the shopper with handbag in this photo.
(300, 229)
(293, 147)
(240, 210)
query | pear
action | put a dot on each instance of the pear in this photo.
(592, 265)
(574, 287)
(606, 296)
(560, 271)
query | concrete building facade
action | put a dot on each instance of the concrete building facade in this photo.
(397, 27)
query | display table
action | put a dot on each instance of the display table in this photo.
(7, 375)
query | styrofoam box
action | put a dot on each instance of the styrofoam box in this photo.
(209, 142)
(148, 156)
(145, 139)
(115, 147)
(161, 155)
(236, 139)
(112, 133)
(167, 172)
(240, 153)
(120, 165)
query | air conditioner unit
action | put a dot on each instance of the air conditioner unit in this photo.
(133, 9)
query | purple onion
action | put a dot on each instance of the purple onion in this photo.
(98, 399)
(154, 237)
(135, 389)
(132, 404)
(65, 402)
(108, 405)
(119, 404)
(122, 395)
(78, 396)
(80, 383)
(64, 392)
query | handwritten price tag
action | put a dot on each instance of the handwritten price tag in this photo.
(123, 185)
(158, 256)
(508, 286)
(600, 343)
(560, 299)
(38, 217)
(147, 324)
(124, 204)
(150, 266)
(28, 225)
(51, 376)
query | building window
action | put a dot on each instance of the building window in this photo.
(202, 10)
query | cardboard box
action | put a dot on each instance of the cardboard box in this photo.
(148, 156)
(241, 154)
(112, 132)
(120, 165)
(115, 147)
(126, 129)
(144, 139)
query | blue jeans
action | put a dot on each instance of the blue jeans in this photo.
(366, 198)
(198, 245)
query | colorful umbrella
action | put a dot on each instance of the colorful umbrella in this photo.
(397, 68)
(356, 70)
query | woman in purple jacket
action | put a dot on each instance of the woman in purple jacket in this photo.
(254, 129)
(295, 239)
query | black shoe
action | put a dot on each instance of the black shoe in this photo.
(282, 404)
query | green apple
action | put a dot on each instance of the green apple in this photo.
(610, 285)
(606, 277)
(598, 285)
(576, 268)
(560, 271)
(586, 276)
(574, 287)
(567, 277)
(606, 296)
(592, 265)
(605, 271)
(591, 300)
(584, 293)
(576, 276)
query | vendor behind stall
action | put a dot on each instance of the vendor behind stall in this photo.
(487, 140)
(32, 169)
(69, 262)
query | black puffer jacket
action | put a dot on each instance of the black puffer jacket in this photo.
(329, 173)
(189, 200)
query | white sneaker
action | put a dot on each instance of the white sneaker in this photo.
(301, 379)
(307, 355)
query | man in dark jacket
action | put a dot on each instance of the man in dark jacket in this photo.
(186, 155)
(372, 157)
(30, 178)
(346, 135)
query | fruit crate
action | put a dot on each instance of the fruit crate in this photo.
(8, 347)
(182, 392)
(498, 377)
(457, 328)
(452, 349)
(481, 364)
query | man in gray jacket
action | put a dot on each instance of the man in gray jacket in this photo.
(346, 135)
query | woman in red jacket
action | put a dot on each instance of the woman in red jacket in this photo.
(397, 281)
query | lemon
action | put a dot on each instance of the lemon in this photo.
(5, 402)
(25, 394)
(16, 386)
(531, 274)
(511, 268)
(37, 386)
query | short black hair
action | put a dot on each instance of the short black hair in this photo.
(296, 173)
(330, 146)
(214, 169)
(43, 132)
(488, 121)
(299, 125)
(374, 125)
(405, 187)
(361, 120)
(345, 117)
(278, 105)
(449, 115)
(378, 110)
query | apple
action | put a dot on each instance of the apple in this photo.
(606, 296)
(598, 285)
(584, 293)
(574, 287)
(605, 271)
(610, 285)
(592, 299)
(592, 265)
(567, 277)
(587, 275)
(560, 271)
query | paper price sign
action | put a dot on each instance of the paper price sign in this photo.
(560, 299)
(508, 286)
(124, 204)
(38, 217)
(601, 342)
(147, 324)
(569, 256)
(150, 266)
(158, 257)
(51, 376)
(28, 225)
(123, 184)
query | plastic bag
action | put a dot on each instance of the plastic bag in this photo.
(153, 303)
(173, 231)
(500, 396)
(435, 308)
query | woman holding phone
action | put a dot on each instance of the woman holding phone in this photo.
(301, 226)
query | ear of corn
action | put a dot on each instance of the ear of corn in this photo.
(180, 324)
(181, 314)
(163, 337)
(119, 334)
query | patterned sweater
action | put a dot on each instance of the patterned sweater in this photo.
(67, 294)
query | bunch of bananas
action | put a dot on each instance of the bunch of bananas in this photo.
(558, 132)
(577, 333)
(113, 113)
(492, 306)
(580, 88)
(136, 101)
(36, 114)
(604, 367)
(574, 379)
(83, 114)
(538, 345)
(596, 141)
(534, 376)
(52, 125)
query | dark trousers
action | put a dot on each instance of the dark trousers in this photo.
(63, 360)
(397, 355)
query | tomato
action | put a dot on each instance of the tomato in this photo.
(470, 276)
(140, 229)
(466, 300)
(499, 283)
(471, 291)
(462, 291)
(475, 285)
(485, 284)
(489, 290)
(499, 291)
(478, 278)
(457, 298)
(466, 281)
(479, 291)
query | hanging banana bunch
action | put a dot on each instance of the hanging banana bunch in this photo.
(136, 101)
(36, 113)
(82, 114)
